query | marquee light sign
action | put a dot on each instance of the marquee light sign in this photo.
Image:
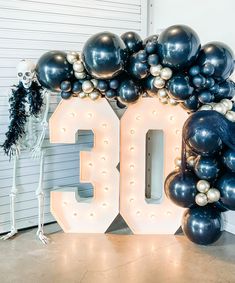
(114, 193)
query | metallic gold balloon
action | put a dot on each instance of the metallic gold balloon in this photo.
(78, 66)
(87, 86)
(201, 199)
(203, 186)
(213, 195)
(159, 82)
(166, 73)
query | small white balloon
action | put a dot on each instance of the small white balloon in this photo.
(78, 66)
(191, 161)
(206, 107)
(230, 115)
(166, 73)
(80, 76)
(163, 100)
(227, 103)
(158, 82)
(201, 199)
(82, 94)
(156, 70)
(172, 101)
(72, 57)
(162, 92)
(94, 95)
(219, 107)
(95, 82)
(87, 86)
(213, 195)
(177, 161)
(203, 186)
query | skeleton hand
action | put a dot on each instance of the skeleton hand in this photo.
(16, 150)
(42, 237)
(9, 235)
(37, 151)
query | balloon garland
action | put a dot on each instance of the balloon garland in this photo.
(176, 69)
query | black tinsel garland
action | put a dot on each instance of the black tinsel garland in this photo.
(18, 115)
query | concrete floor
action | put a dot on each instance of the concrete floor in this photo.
(109, 258)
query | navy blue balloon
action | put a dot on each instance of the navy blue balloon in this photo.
(77, 87)
(199, 81)
(149, 86)
(151, 47)
(104, 55)
(132, 41)
(208, 69)
(114, 84)
(102, 85)
(194, 70)
(228, 158)
(220, 56)
(137, 69)
(214, 89)
(128, 91)
(192, 103)
(142, 56)
(225, 90)
(205, 96)
(111, 93)
(226, 186)
(66, 95)
(178, 46)
(202, 132)
(181, 189)
(202, 225)
(153, 59)
(206, 168)
(66, 86)
(209, 82)
(150, 38)
(179, 87)
(52, 69)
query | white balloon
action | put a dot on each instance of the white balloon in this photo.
(162, 92)
(158, 82)
(163, 100)
(177, 161)
(166, 73)
(87, 86)
(95, 82)
(219, 107)
(80, 76)
(72, 57)
(203, 186)
(172, 101)
(78, 66)
(230, 115)
(201, 199)
(213, 195)
(227, 103)
(155, 70)
(206, 107)
(82, 94)
(191, 160)
(94, 95)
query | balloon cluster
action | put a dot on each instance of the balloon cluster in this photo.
(176, 69)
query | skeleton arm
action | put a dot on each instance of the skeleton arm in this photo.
(44, 124)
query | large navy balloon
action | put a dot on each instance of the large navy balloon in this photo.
(225, 89)
(206, 168)
(181, 189)
(201, 132)
(128, 91)
(229, 159)
(191, 104)
(52, 69)
(104, 55)
(136, 68)
(179, 87)
(226, 186)
(178, 46)
(220, 56)
(202, 225)
(133, 41)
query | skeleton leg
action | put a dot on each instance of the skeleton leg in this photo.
(13, 193)
(40, 196)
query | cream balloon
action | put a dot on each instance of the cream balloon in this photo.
(203, 186)
(201, 199)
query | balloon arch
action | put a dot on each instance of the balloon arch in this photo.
(174, 68)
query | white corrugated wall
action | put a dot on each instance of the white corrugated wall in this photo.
(28, 28)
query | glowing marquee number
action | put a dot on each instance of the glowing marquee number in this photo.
(99, 166)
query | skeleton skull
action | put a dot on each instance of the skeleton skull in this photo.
(26, 72)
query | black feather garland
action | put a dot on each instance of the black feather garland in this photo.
(18, 115)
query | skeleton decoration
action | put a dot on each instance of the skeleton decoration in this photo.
(29, 106)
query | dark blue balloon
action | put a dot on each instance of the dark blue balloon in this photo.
(65, 86)
(153, 59)
(77, 87)
(179, 46)
(149, 86)
(202, 130)
(111, 93)
(114, 84)
(179, 87)
(229, 159)
(52, 69)
(194, 70)
(206, 168)
(65, 95)
(199, 81)
(202, 225)
(150, 38)
(136, 68)
(205, 96)
(209, 82)
(128, 91)
(133, 41)
(225, 90)
(104, 55)
(220, 56)
(214, 89)
(102, 85)
(192, 103)
(141, 56)
(151, 47)
(181, 189)
(226, 186)
(208, 69)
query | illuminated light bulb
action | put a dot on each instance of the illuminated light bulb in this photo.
(132, 148)
(75, 214)
(137, 117)
(90, 164)
(65, 203)
(137, 212)
(132, 166)
(154, 112)
(91, 214)
(63, 130)
(177, 132)
(168, 213)
(90, 115)
(104, 125)
(72, 115)
(104, 172)
(177, 148)
(172, 118)
(132, 182)
(132, 132)
(153, 216)
(104, 204)
(131, 200)
(106, 142)
(103, 158)
(106, 189)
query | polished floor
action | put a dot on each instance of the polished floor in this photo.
(109, 258)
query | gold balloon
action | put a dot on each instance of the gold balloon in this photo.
(213, 195)
(203, 186)
(201, 199)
